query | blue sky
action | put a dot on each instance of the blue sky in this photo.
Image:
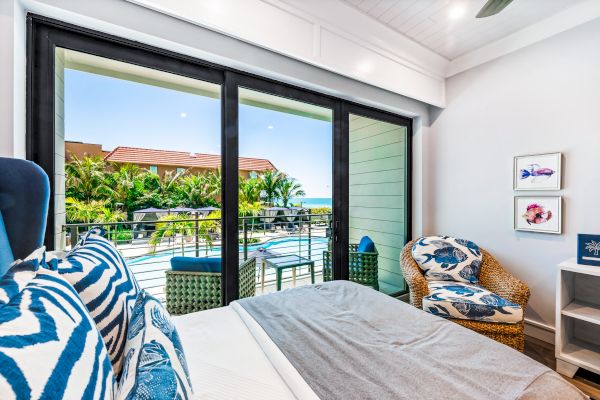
(115, 112)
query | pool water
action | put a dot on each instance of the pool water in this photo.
(149, 269)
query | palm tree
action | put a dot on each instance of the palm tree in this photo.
(249, 190)
(167, 188)
(85, 178)
(207, 227)
(269, 183)
(193, 190)
(247, 209)
(171, 226)
(287, 188)
(127, 183)
(212, 181)
(84, 211)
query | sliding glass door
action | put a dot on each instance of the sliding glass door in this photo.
(176, 157)
(138, 154)
(285, 190)
(379, 197)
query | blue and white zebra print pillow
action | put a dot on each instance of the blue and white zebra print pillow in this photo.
(472, 302)
(154, 367)
(107, 287)
(444, 258)
(49, 345)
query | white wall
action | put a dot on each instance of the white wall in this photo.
(543, 98)
(133, 22)
(12, 82)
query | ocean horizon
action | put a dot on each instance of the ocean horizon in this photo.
(313, 202)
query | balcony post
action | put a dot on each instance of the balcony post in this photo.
(197, 232)
(74, 235)
(245, 227)
(310, 236)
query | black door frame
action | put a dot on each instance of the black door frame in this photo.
(45, 34)
(372, 113)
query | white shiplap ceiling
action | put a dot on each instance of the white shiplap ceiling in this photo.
(429, 22)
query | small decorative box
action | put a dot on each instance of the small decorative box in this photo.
(588, 249)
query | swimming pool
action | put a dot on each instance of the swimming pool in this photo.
(149, 269)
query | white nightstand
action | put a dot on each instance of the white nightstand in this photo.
(577, 318)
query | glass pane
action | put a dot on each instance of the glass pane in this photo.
(138, 153)
(285, 190)
(377, 203)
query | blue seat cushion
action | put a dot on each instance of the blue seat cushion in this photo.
(196, 264)
(155, 366)
(49, 345)
(6, 255)
(467, 301)
(366, 245)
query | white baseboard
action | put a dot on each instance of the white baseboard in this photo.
(539, 331)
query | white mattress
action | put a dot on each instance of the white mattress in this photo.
(224, 359)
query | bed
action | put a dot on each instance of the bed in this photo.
(341, 340)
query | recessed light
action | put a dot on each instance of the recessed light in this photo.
(457, 11)
(270, 127)
(183, 115)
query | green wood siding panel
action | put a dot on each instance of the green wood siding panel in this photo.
(390, 176)
(375, 201)
(377, 189)
(378, 213)
(382, 164)
(377, 192)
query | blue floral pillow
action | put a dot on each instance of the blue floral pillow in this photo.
(49, 345)
(444, 258)
(107, 287)
(154, 365)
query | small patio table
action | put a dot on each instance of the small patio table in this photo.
(281, 263)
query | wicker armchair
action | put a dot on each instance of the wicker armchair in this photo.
(189, 292)
(363, 267)
(492, 277)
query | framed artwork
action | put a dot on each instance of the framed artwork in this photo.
(537, 172)
(538, 214)
(588, 249)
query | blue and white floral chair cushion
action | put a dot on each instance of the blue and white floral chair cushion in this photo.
(444, 258)
(107, 287)
(49, 345)
(472, 302)
(154, 367)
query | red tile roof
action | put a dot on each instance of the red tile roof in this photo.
(135, 155)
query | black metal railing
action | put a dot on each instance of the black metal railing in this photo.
(148, 246)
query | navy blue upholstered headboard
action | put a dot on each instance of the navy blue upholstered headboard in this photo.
(24, 197)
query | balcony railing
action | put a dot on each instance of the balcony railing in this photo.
(148, 246)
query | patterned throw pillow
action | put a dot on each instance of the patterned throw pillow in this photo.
(49, 345)
(107, 287)
(154, 366)
(464, 301)
(444, 258)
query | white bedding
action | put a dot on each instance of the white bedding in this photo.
(224, 359)
(230, 356)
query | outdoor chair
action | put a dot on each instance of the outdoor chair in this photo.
(194, 283)
(491, 277)
(362, 263)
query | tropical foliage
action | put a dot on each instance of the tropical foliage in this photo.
(178, 228)
(98, 191)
